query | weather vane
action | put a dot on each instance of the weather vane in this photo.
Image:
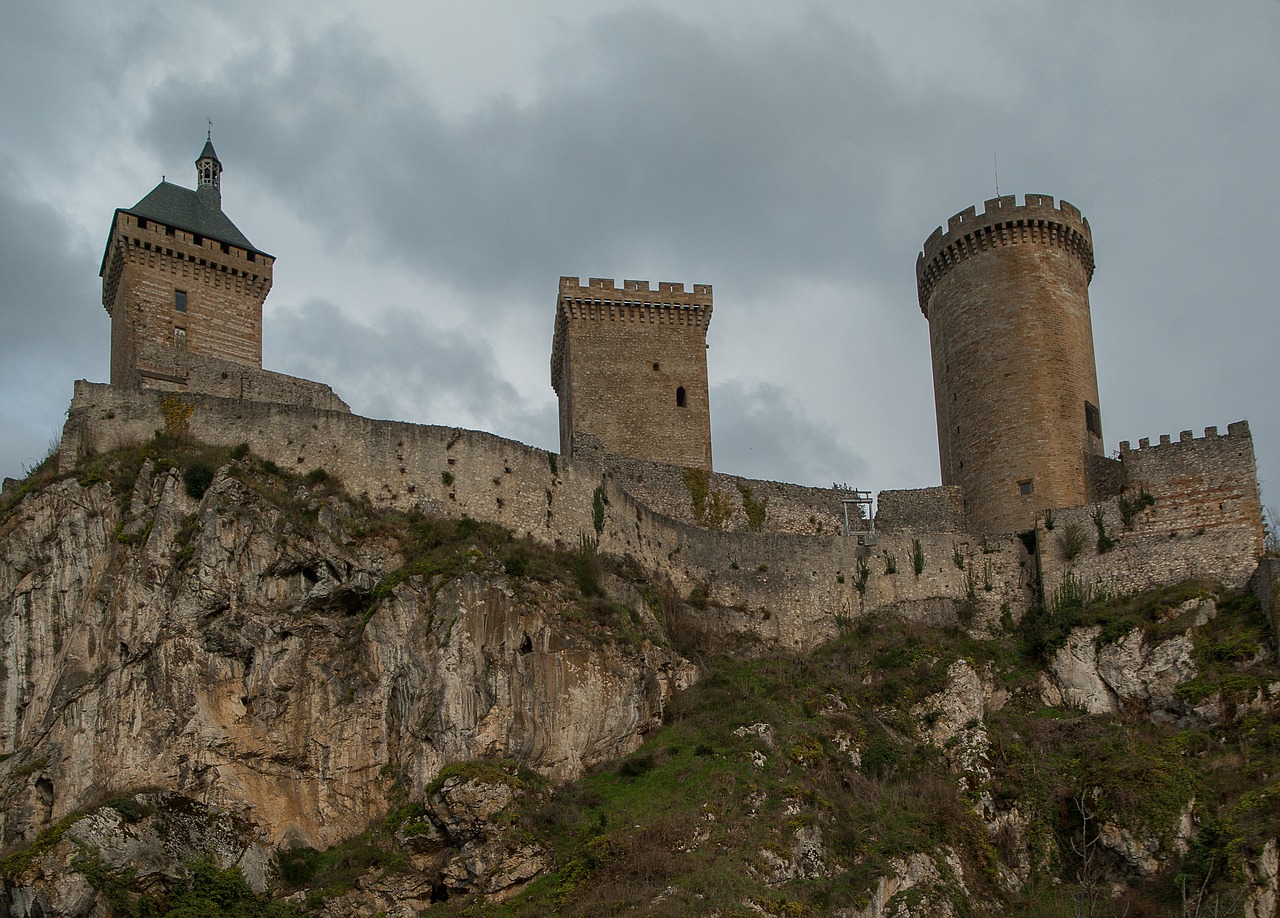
(209, 134)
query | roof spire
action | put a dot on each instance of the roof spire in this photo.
(209, 173)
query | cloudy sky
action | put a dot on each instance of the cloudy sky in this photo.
(425, 172)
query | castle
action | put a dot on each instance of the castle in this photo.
(1005, 294)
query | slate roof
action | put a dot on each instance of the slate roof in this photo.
(207, 152)
(181, 207)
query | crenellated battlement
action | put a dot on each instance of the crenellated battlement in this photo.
(1239, 430)
(600, 299)
(1003, 222)
(634, 292)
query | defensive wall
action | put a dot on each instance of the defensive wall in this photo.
(791, 589)
(171, 369)
(1265, 584)
(715, 500)
(1190, 508)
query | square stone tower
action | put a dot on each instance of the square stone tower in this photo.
(630, 368)
(178, 278)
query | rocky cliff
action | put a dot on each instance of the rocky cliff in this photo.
(265, 646)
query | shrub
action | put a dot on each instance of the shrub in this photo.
(1105, 542)
(597, 509)
(197, 477)
(1129, 508)
(1071, 541)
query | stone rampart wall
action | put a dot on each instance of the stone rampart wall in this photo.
(796, 590)
(1265, 584)
(1203, 520)
(784, 588)
(714, 500)
(175, 370)
(935, 509)
(1203, 482)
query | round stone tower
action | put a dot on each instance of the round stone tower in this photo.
(1006, 293)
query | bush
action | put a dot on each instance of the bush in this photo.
(197, 477)
(1071, 541)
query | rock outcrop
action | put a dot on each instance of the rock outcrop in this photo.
(260, 649)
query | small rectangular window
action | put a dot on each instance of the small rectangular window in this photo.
(180, 300)
(142, 223)
(1092, 419)
(1025, 488)
(180, 338)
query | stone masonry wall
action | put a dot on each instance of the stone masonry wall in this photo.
(921, 508)
(734, 503)
(1204, 519)
(1265, 584)
(182, 371)
(785, 588)
(714, 500)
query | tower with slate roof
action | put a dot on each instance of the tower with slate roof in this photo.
(179, 279)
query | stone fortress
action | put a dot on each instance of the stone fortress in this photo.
(1005, 294)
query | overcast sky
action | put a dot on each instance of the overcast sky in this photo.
(425, 172)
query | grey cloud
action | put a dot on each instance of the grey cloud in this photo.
(401, 366)
(51, 331)
(764, 432)
(658, 145)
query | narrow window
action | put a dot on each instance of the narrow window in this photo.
(657, 366)
(680, 400)
(1025, 488)
(180, 300)
(180, 338)
(1092, 419)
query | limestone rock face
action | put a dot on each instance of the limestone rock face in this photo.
(151, 837)
(233, 649)
(1263, 873)
(1131, 670)
(938, 880)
